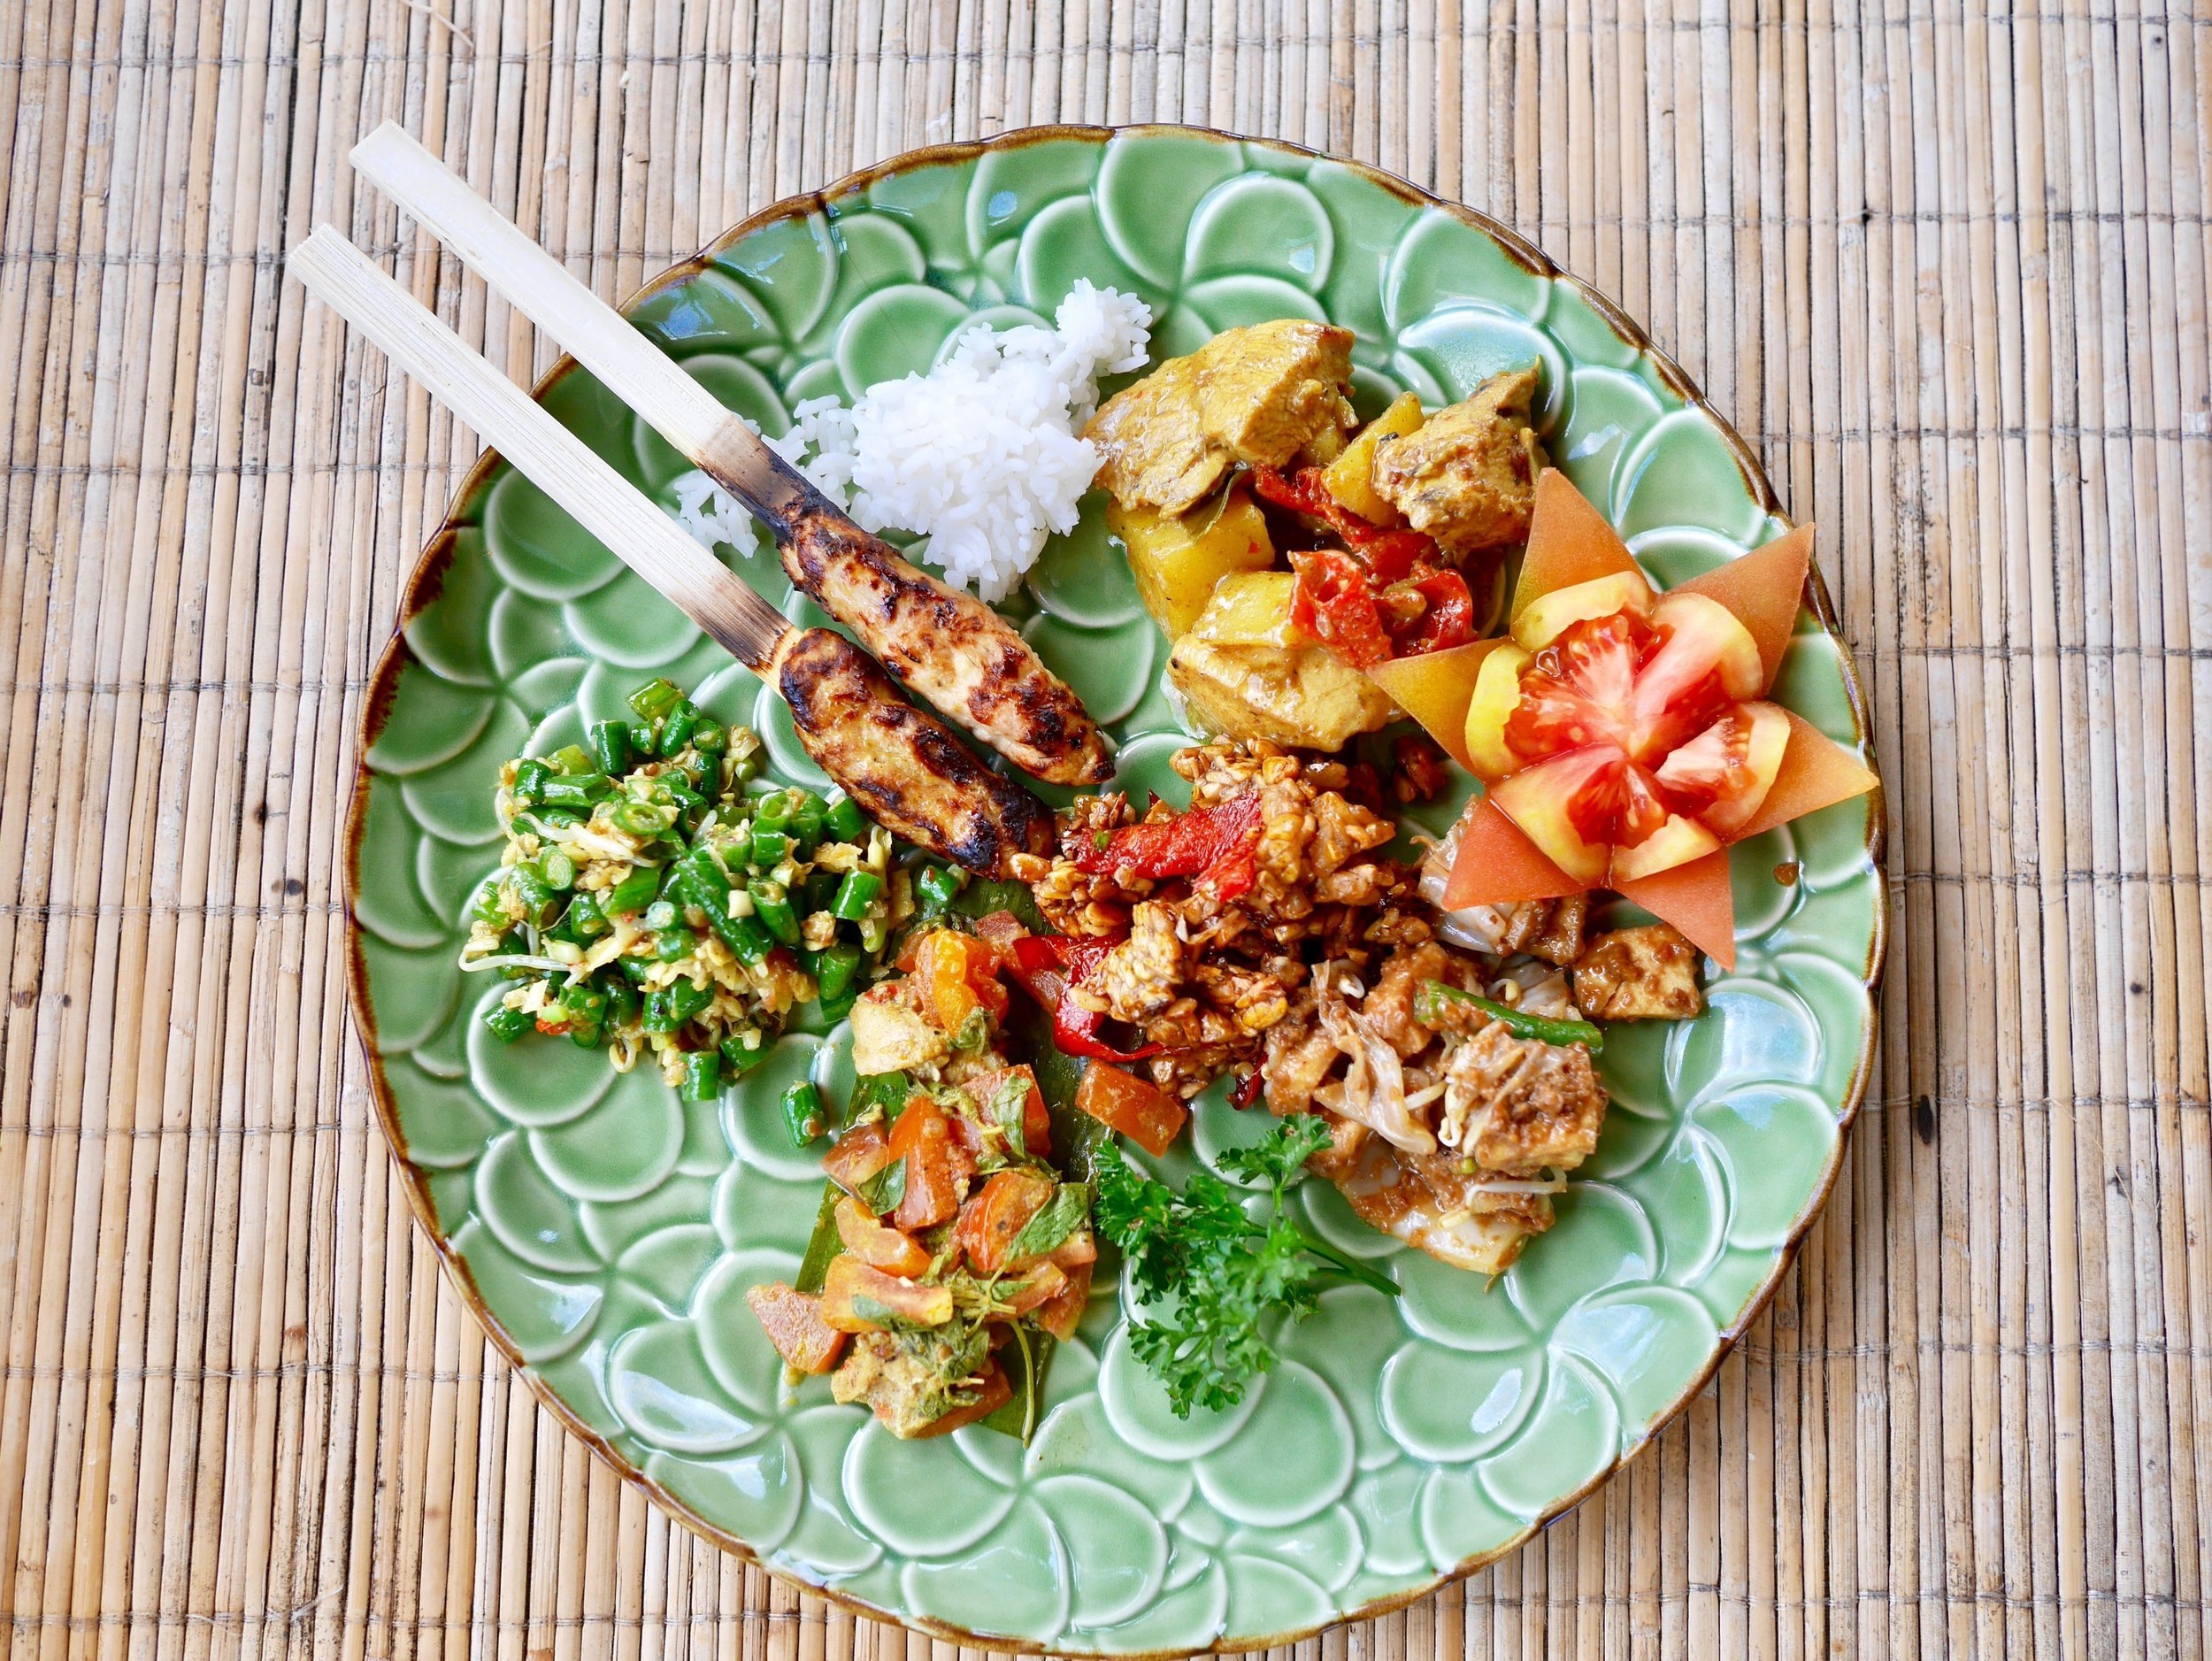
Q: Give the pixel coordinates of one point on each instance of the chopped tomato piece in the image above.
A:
(1446, 618)
(955, 974)
(1140, 1111)
(993, 1394)
(1078, 1251)
(878, 1247)
(923, 1140)
(983, 1089)
(1037, 1286)
(999, 1211)
(793, 1321)
(1064, 1312)
(1388, 554)
(1334, 603)
(857, 1156)
(859, 1299)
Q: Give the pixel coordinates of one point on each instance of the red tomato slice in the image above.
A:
(1493, 862)
(1765, 589)
(1576, 806)
(1569, 541)
(1815, 772)
(1496, 694)
(1580, 690)
(1722, 776)
(1139, 1109)
(1700, 626)
(1697, 899)
(1549, 616)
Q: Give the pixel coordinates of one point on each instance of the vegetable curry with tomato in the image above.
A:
(1285, 549)
(951, 1250)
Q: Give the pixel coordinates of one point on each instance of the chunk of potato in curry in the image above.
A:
(1241, 674)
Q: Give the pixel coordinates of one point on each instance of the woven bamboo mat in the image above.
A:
(1945, 265)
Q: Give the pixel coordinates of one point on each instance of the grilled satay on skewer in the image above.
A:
(946, 646)
(904, 767)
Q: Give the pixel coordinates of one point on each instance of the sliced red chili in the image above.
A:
(1247, 1089)
(1190, 844)
(1388, 555)
(1335, 602)
(1447, 617)
(1046, 967)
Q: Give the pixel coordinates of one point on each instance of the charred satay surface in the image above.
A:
(907, 771)
(947, 646)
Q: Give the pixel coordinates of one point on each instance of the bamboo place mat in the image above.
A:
(1945, 266)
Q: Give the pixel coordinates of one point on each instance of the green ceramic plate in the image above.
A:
(606, 1232)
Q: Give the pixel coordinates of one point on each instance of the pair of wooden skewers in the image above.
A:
(902, 765)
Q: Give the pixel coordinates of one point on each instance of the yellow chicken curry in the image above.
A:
(1286, 550)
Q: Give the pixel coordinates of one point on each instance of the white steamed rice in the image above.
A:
(981, 455)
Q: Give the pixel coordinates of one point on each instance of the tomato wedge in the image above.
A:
(923, 1139)
(1764, 590)
(1724, 774)
(1817, 772)
(1493, 862)
(878, 1247)
(1148, 1115)
(1625, 737)
(1062, 1313)
(1569, 541)
(1435, 688)
(1697, 899)
(1000, 1211)
(793, 1321)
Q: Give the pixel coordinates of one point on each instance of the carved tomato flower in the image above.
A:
(1625, 737)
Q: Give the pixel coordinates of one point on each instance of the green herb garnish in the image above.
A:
(822, 1244)
(883, 1192)
(1220, 1273)
(1061, 1216)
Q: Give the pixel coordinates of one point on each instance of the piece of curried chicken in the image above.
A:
(1648, 974)
(1261, 395)
(1467, 475)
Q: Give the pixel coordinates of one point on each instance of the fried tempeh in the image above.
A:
(906, 769)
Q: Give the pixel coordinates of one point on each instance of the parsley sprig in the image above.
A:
(1224, 1273)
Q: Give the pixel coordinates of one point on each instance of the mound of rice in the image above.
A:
(981, 455)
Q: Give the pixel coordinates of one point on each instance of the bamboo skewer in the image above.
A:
(902, 766)
(949, 647)
(548, 453)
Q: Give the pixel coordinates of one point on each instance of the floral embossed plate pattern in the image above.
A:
(606, 1231)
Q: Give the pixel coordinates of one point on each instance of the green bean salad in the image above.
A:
(658, 894)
